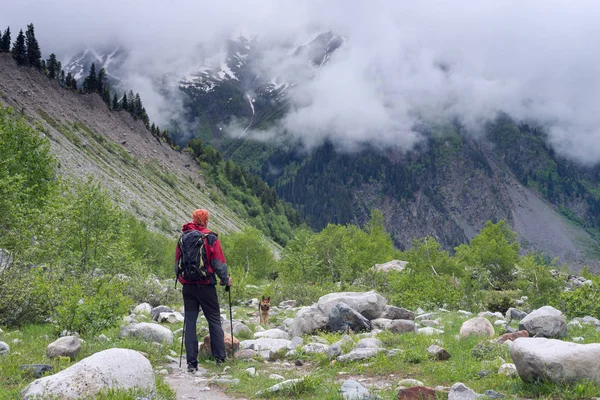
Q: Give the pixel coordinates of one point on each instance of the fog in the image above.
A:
(402, 63)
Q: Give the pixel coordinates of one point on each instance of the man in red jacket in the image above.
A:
(203, 294)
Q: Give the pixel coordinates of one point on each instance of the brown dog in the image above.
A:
(263, 310)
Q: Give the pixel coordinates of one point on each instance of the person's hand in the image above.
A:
(230, 282)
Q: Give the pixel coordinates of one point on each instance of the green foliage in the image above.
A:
(536, 282)
(91, 308)
(579, 302)
(492, 254)
(249, 253)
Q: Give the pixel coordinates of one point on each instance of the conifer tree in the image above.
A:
(106, 96)
(58, 69)
(101, 81)
(90, 83)
(115, 102)
(73, 84)
(137, 105)
(34, 54)
(68, 79)
(5, 41)
(61, 80)
(124, 104)
(19, 52)
(131, 104)
(52, 67)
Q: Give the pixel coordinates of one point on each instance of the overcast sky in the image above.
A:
(535, 59)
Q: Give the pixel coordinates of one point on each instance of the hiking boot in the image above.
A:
(220, 361)
(192, 367)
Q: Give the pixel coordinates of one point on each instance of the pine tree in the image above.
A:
(34, 54)
(52, 66)
(62, 77)
(131, 104)
(19, 52)
(101, 81)
(137, 105)
(68, 79)
(106, 96)
(90, 83)
(5, 41)
(58, 69)
(124, 104)
(115, 102)
(73, 84)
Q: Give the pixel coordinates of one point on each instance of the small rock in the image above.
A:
(438, 353)
(507, 369)
(143, 308)
(514, 314)
(163, 372)
(227, 381)
(410, 383)
(103, 338)
(37, 370)
(578, 339)
(245, 354)
(393, 312)
(68, 346)
(429, 331)
(16, 341)
(251, 371)
(465, 313)
(288, 304)
(492, 394)
(417, 393)
(298, 363)
(272, 334)
(352, 390)
(484, 372)
(282, 385)
(459, 391)
(315, 348)
(512, 336)
(477, 326)
(545, 322)
(155, 312)
(276, 377)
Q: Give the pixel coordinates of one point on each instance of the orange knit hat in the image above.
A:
(200, 217)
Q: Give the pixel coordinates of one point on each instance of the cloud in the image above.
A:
(402, 62)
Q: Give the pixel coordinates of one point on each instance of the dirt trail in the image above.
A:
(194, 386)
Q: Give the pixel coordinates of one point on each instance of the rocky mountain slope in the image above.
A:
(146, 175)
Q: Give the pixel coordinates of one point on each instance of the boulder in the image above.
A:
(369, 304)
(149, 332)
(238, 328)
(170, 317)
(315, 348)
(206, 349)
(143, 308)
(359, 354)
(308, 320)
(508, 369)
(288, 304)
(545, 322)
(477, 326)
(410, 383)
(155, 312)
(336, 348)
(342, 318)
(555, 360)
(272, 334)
(428, 331)
(67, 346)
(245, 354)
(514, 314)
(4, 348)
(402, 326)
(417, 393)
(438, 353)
(393, 312)
(459, 391)
(108, 369)
(394, 265)
(262, 344)
(369, 343)
(352, 390)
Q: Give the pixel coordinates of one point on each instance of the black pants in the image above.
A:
(205, 296)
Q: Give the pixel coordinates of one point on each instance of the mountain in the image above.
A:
(144, 174)
(111, 58)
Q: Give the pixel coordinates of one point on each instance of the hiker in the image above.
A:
(201, 292)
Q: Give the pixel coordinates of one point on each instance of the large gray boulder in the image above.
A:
(262, 344)
(369, 304)
(308, 320)
(342, 318)
(478, 326)
(402, 326)
(545, 322)
(272, 334)
(67, 346)
(108, 369)
(4, 348)
(352, 390)
(143, 308)
(555, 360)
(148, 331)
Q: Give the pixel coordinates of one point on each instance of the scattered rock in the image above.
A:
(402, 326)
(36, 370)
(315, 348)
(4, 348)
(318, 339)
(430, 331)
(574, 324)
(459, 391)
(507, 369)
(288, 304)
(465, 313)
(342, 318)
(266, 344)
(479, 326)
(129, 319)
(578, 339)
(489, 314)
(238, 328)
(381, 323)
(555, 360)
(272, 334)
(394, 265)
(276, 388)
(68, 346)
(148, 331)
(103, 338)
(492, 394)
(410, 383)
(170, 317)
(155, 312)
(143, 308)
(226, 381)
(359, 354)
(245, 354)
(438, 353)
(545, 322)
(108, 369)
(369, 304)
(417, 393)
(512, 336)
(276, 377)
(369, 343)
(251, 371)
(352, 390)
(514, 314)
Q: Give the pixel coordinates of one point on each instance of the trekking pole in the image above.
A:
(182, 336)
(228, 289)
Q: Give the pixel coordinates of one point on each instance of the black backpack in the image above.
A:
(192, 257)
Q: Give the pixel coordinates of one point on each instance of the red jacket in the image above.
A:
(215, 259)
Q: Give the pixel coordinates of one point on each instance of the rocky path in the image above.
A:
(193, 386)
